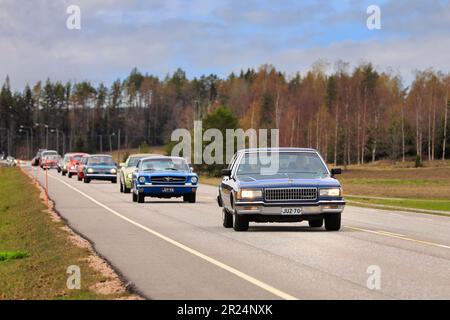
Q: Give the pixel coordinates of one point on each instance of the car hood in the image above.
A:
(101, 167)
(167, 173)
(129, 170)
(284, 180)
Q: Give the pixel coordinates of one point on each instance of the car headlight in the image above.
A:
(249, 194)
(90, 170)
(130, 176)
(330, 192)
(194, 179)
(113, 171)
(141, 179)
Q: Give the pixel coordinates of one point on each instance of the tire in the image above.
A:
(114, 180)
(126, 190)
(140, 198)
(121, 187)
(86, 180)
(240, 223)
(134, 197)
(63, 173)
(333, 221)
(69, 175)
(316, 223)
(227, 219)
(191, 198)
(79, 178)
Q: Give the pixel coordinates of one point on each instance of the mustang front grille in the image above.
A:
(288, 194)
(168, 180)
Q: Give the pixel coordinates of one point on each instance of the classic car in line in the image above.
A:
(164, 177)
(280, 185)
(97, 167)
(37, 158)
(127, 168)
(50, 161)
(70, 163)
(45, 153)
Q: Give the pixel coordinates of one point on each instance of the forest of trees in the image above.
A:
(351, 116)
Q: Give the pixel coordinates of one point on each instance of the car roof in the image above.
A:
(98, 155)
(140, 155)
(281, 149)
(162, 157)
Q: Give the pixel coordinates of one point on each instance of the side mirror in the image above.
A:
(335, 171)
(122, 164)
(191, 168)
(226, 172)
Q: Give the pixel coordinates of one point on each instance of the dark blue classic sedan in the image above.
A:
(164, 177)
(280, 185)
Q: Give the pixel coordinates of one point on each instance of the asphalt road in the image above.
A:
(174, 250)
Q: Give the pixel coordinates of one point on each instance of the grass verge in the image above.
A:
(28, 232)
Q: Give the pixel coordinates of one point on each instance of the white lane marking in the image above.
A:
(213, 261)
(398, 236)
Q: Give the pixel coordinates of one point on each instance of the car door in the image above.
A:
(226, 186)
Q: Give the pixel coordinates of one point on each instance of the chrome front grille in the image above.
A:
(168, 180)
(290, 194)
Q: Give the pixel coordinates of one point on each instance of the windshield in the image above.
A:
(169, 164)
(77, 157)
(133, 161)
(48, 153)
(52, 157)
(299, 164)
(100, 161)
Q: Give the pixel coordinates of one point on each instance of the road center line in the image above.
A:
(213, 261)
(394, 235)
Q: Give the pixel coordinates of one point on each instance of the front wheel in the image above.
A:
(189, 198)
(316, 223)
(114, 180)
(227, 218)
(121, 187)
(134, 197)
(86, 180)
(140, 198)
(333, 221)
(240, 223)
(79, 178)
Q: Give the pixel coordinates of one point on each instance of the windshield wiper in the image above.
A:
(148, 170)
(171, 169)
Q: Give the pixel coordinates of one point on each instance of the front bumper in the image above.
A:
(262, 208)
(161, 190)
(101, 176)
(128, 183)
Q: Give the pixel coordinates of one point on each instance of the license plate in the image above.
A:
(291, 211)
(168, 190)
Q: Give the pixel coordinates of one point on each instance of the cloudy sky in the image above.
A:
(212, 36)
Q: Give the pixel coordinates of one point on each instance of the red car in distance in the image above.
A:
(80, 167)
(74, 161)
(50, 161)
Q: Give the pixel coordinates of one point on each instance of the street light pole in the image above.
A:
(28, 141)
(46, 136)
